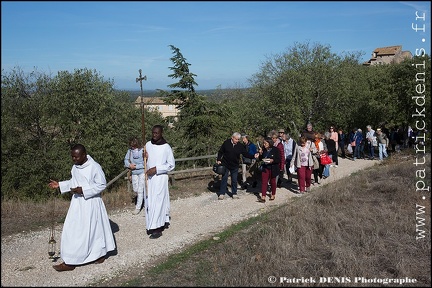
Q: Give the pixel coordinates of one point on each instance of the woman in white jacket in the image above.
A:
(302, 159)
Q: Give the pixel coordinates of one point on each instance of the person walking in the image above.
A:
(302, 159)
(309, 133)
(383, 142)
(251, 148)
(229, 156)
(277, 142)
(371, 141)
(341, 143)
(87, 236)
(358, 139)
(270, 156)
(331, 150)
(289, 146)
(134, 160)
(318, 167)
(335, 136)
(160, 159)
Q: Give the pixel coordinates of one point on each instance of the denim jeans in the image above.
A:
(371, 150)
(382, 151)
(224, 182)
(326, 172)
(357, 149)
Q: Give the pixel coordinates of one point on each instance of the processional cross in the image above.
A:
(140, 79)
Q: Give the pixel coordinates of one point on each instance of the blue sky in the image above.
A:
(225, 42)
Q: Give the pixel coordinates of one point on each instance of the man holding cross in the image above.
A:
(160, 159)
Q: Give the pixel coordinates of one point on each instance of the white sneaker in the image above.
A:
(221, 197)
(235, 196)
(136, 212)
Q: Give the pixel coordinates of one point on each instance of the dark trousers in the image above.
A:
(224, 182)
(371, 150)
(342, 148)
(334, 157)
(287, 166)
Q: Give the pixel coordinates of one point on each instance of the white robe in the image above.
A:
(87, 233)
(157, 206)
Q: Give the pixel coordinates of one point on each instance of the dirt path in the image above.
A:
(24, 259)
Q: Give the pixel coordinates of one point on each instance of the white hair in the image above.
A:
(237, 135)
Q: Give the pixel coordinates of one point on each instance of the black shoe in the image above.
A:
(155, 235)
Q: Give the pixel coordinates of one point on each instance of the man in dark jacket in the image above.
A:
(309, 133)
(229, 155)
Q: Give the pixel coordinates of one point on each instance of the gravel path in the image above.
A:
(24, 257)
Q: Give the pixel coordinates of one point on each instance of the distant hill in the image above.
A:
(152, 93)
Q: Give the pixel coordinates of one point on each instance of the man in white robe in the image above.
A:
(160, 159)
(87, 235)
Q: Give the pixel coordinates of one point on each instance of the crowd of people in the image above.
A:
(276, 158)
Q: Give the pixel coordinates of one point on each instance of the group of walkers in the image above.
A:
(278, 154)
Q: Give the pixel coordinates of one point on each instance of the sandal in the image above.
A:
(261, 200)
(272, 197)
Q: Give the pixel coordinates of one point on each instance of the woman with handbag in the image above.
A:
(331, 150)
(302, 159)
(318, 167)
(269, 168)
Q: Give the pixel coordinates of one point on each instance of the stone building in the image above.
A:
(388, 55)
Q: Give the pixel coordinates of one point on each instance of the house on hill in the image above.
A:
(388, 55)
(157, 104)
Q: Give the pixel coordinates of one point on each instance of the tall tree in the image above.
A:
(198, 118)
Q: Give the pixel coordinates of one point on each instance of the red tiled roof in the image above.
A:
(390, 50)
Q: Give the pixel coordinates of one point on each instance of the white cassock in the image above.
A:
(157, 206)
(87, 233)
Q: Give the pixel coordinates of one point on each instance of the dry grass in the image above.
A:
(363, 226)
(20, 216)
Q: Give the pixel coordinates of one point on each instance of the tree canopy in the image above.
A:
(43, 115)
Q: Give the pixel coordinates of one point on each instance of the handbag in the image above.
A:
(219, 169)
(292, 169)
(246, 160)
(315, 161)
(349, 148)
(325, 159)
